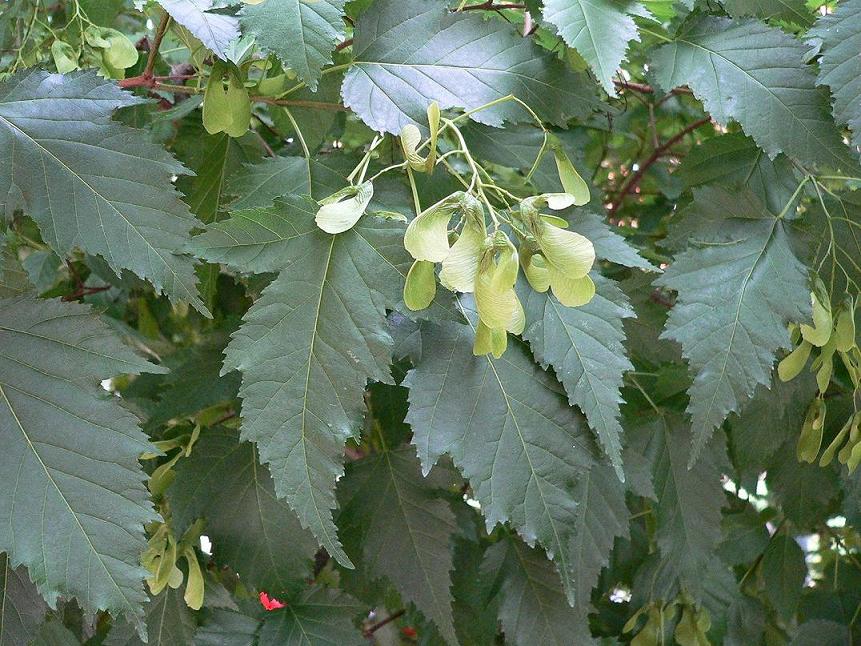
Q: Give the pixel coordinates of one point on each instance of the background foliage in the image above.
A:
(236, 408)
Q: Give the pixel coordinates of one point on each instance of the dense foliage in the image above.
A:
(429, 321)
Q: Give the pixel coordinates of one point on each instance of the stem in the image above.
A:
(370, 630)
(298, 134)
(414, 190)
(299, 103)
(153, 51)
(634, 180)
(490, 6)
(794, 195)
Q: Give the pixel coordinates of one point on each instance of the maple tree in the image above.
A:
(440, 322)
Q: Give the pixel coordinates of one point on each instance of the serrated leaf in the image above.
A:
(402, 531)
(602, 516)
(739, 287)
(21, 607)
(839, 67)
(320, 617)
(773, 417)
(259, 185)
(507, 429)
(794, 11)
(301, 33)
(584, 346)
(307, 348)
(408, 54)
(169, 622)
(689, 500)
(533, 607)
(251, 530)
(734, 160)
(73, 450)
(91, 182)
(783, 573)
(214, 30)
(228, 628)
(755, 74)
(600, 31)
(13, 278)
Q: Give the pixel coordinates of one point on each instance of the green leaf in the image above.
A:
(773, 417)
(54, 633)
(533, 608)
(602, 516)
(400, 529)
(839, 67)
(805, 492)
(302, 34)
(739, 286)
(509, 431)
(76, 452)
(306, 349)
(259, 185)
(584, 346)
(254, 533)
(783, 573)
(819, 632)
(794, 11)
(600, 31)
(733, 160)
(408, 54)
(227, 628)
(13, 278)
(608, 244)
(689, 499)
(21, 607)
(70, 159)
(319, 617)
(169, 622)
(755, 74)
(214, 30)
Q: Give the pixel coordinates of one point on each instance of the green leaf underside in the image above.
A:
(307, 348)
(227, 628)
(320, 617)
(21, 607)
(169, 622)
(739, 285)
(259, 185)
(302, 34)
(508, 430)
(93, 183)
(74, 503)
(754, 74)
(252, 531)
(214, 30)
(533, 608)
(689, 500)
(600, 31)
(408, 54)
(584, 346)
(840, 67)
(733, 160)
(402, 530)
(793, 11)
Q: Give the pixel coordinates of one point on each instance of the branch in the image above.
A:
(642, 88)
(343, 45)
(370, 630)
(634, 180)
(299, 103)
(147, 79)
(490, 6)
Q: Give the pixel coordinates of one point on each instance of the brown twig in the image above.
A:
(85, 291)
(634, 180)
(490, 6)
(298, 103)
(146, 79)
(642, 88)
(343, 45)
(370, 630)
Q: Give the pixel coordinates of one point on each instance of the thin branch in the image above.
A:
(370, 630)
(147, 79)
(634, 180)
(343, 45)
(490, 6)
(642, 88)
(298, 103)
